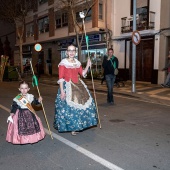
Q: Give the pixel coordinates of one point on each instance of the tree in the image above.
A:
(15, 12)
(73, 7)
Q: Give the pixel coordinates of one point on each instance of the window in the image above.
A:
(61, 19)
(43, 25)
(64, 19)
(29, 30)
(143, 13)
(100, 11)
(89, 15)
(58, 21)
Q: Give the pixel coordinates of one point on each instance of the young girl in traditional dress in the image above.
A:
(75, 109)
(24, 125)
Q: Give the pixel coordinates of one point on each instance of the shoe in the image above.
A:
(74, 133)
(162, 85)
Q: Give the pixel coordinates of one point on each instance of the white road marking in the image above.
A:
(89, 154)
(80, 149)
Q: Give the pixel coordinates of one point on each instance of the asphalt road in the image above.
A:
(135, 135)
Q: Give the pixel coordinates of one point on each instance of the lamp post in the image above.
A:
(134, 51)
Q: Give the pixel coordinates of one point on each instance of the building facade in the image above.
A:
(153, 24)
(108, 24)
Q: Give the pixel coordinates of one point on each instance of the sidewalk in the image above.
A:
(144, 90)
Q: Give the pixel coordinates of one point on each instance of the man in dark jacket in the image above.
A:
(110, 64)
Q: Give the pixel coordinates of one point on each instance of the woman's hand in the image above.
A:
(63, 95)
(40, 99)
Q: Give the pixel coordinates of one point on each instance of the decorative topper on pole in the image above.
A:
(34, 81)
(82, 15)
(86, 36)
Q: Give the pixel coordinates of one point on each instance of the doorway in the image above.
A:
(144, 60)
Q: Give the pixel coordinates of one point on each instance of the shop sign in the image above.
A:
(66, 42)
(93, 38)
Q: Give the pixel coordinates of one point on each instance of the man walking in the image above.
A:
(110, 64)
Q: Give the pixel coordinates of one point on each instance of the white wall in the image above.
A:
(119, 52)
(155, 6)
(121, 9)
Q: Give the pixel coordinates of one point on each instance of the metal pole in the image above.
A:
(134, 51)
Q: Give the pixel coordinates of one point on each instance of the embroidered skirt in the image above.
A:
(77, 111)
(26, 128)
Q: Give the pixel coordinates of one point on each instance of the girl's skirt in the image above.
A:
(26, 128)
(77, 111)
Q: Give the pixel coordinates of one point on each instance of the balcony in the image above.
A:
(143, 22)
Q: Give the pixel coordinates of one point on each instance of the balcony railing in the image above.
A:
(143, 22)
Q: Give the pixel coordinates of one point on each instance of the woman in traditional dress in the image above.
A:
(24, 125)
(75, 109)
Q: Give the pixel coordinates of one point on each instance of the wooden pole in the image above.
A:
(42, 105)
(92, 76)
